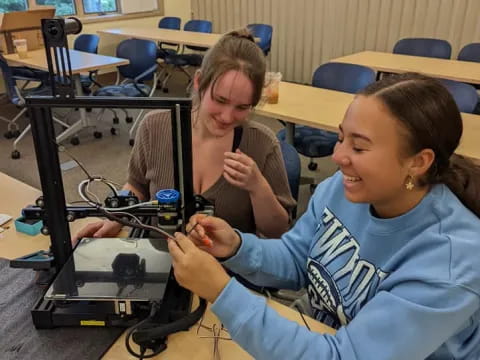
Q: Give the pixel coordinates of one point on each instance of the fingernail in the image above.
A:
(207, 241)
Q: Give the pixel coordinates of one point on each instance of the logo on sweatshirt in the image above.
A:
(339, 281)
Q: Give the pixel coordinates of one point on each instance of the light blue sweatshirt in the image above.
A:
(400, 288)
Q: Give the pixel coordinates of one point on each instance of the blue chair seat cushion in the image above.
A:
(184, 59)
(312, 142)
(128, 90)
(41, 90)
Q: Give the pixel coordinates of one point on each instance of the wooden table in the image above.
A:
(180, 37)
(15, 196)
(184, 345)
(465, 71)
(325, 109)
(81, 62)
(188, 345)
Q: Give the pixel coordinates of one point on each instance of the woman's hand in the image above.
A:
(242, 171)
(195, 269)
(104, 228)
(213, 235)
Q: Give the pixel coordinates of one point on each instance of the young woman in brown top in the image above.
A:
(245, 179)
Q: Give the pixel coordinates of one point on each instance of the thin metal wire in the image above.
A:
(303, 317)
(217, 336)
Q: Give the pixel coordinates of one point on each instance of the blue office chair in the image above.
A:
(16, 97)
(348, 78)
(87, 43)
(293, 167)
(264, 33)
(465, 95)
(203, 26)
(172, 23)
(142, 55)
(470, 52)
(425, 47)
(183, 61)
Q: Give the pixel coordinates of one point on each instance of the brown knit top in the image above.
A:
(151, 168)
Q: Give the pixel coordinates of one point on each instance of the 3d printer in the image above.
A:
(109, 282)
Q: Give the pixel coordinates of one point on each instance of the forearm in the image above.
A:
(271, 218)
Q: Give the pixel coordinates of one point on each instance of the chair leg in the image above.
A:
(58, 121)
(12, 122)
(5, 119)
(131, 133)
(165, 82)
(20, 137)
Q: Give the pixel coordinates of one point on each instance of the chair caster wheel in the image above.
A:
(97, 134)
(16, 133)
(131, 142)
(165, 90)
(15, 154)
(129, 119)
(312, 188)
(9, 135)
(88, 110)
(113, 131)
(116, 120)
(312, 166)
(75, 140)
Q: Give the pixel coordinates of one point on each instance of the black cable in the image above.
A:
(154, 334)
(122, 221)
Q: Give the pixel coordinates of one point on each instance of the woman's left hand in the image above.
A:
(195, 269)
(242, 171)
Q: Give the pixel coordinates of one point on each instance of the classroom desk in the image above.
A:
(81, 62)
(184, 345)
(180, 37)
(325, 109)
(465, 71)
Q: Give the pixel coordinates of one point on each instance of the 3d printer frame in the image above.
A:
(54, 212)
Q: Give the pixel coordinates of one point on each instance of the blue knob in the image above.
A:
(167, 196)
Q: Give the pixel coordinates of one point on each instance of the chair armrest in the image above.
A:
(147, 72)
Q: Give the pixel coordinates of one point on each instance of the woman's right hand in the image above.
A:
(104, 228)
(213, 235)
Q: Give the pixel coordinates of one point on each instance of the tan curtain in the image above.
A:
(307, 33)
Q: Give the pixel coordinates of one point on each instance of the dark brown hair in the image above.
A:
(428, 112)
(235, 50)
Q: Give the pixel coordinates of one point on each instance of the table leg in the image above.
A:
(290, 132)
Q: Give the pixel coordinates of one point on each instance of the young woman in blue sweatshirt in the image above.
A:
(388, 249)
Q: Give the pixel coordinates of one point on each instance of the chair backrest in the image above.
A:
(204, 26)
(142, 55)
(264, 33)
(470, 52)
(169, 22)
(425, 47)
(349, 78)
(465, 95)
(293, 167)
(87, 43)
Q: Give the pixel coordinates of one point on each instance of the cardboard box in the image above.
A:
(23, 25)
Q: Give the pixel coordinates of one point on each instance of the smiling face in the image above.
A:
(227, 104)
(369, 154)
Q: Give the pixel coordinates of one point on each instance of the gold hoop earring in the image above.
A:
(409, 185)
